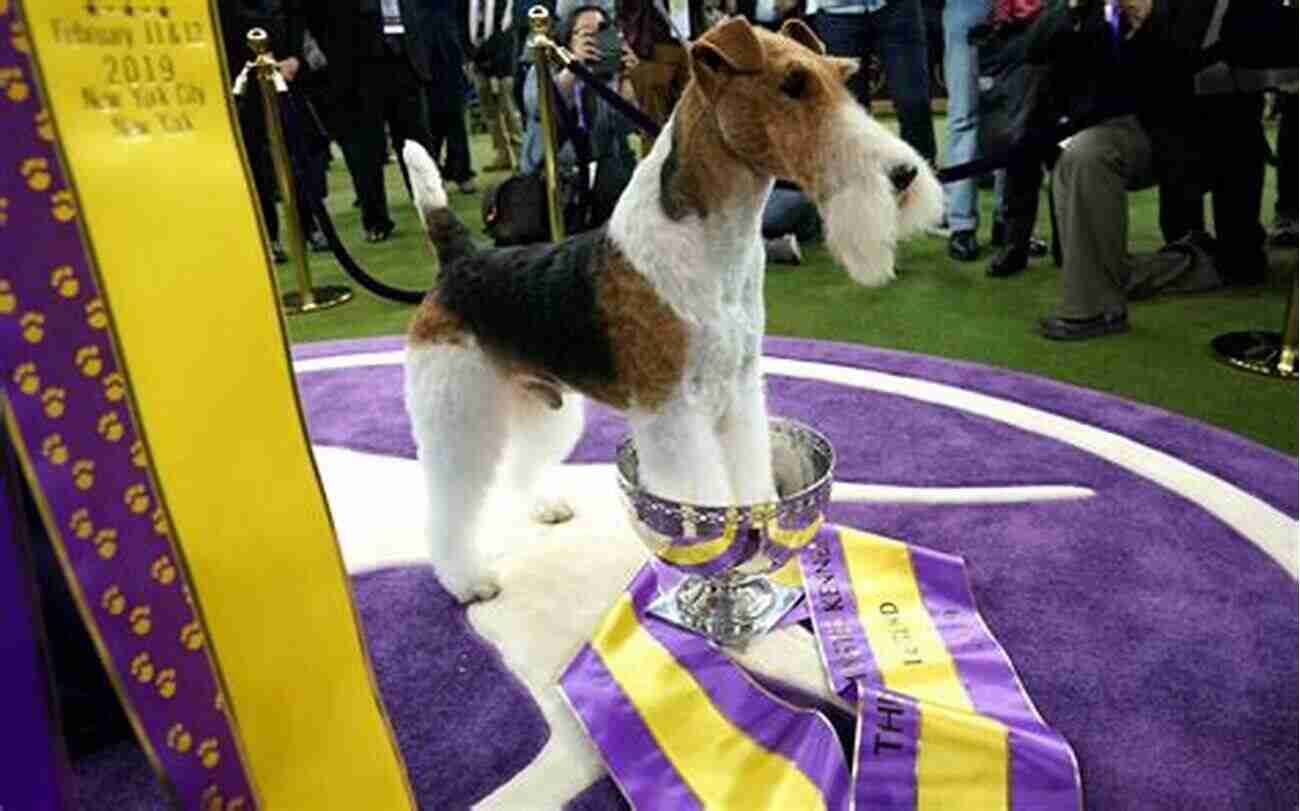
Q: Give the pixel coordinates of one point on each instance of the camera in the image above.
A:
(609, 47)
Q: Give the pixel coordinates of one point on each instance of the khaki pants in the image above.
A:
(495, 99)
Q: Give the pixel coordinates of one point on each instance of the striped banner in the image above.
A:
(943, 720)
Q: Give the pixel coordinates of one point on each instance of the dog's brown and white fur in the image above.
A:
(670, 294)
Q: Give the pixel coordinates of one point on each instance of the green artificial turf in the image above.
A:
(937, 307)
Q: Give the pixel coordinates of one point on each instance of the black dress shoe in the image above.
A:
(1057, 328)
(1011, 260)
(1038, 247)
(963, 247)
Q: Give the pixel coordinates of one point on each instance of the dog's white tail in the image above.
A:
(451, 239)
(426, 180)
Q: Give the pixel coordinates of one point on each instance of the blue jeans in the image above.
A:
(791, 212)
(961, 70)
(897, 33)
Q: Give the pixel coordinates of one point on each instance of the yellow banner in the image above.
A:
(140, 102)
(963, 761)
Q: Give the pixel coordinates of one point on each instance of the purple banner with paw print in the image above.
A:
(69, 413)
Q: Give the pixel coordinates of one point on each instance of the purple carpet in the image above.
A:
(1160, 642)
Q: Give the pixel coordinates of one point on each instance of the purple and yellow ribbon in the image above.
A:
(943, 720)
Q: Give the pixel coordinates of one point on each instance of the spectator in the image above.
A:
(961, 70)
(789, 219)
(894, 29)
(445, 96)
(381, 54)
(1283, 232)
(662, 69)
(237, 18)
(1174, 134)
(489, 41)
(603, 131)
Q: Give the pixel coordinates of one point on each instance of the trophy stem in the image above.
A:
(730, 609)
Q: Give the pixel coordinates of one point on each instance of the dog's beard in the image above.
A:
(863, 216)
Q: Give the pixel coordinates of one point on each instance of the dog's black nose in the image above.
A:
(902, 176)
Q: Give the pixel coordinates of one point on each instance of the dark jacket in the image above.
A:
(350, 35)
(495, 55)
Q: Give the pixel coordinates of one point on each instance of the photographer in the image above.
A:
(1131, 66)
(590, 128)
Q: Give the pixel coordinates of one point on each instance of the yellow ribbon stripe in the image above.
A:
(724, 767)
(963, 761)
(699, 553)
(143, 112)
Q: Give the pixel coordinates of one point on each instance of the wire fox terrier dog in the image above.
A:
(659, 313)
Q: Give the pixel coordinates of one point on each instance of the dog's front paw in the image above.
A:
(471, 589)
(551, 510)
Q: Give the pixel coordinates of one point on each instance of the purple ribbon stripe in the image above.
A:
(70, 400)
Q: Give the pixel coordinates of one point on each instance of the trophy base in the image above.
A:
(322, 298)
(1257, 351)
(730, 611)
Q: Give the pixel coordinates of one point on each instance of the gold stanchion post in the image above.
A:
(539, 21)
(1271, 354)
(272, 84)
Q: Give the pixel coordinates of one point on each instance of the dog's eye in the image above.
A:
(795, 84)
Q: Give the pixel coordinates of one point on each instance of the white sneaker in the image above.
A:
(784, 250)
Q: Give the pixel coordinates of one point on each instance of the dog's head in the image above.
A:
(782, 107)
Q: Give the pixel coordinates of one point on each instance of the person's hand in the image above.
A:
(1136, 12)
(583, 46)
(289, 68)
(630, 59)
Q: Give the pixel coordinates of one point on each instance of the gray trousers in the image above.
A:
(1090, 186)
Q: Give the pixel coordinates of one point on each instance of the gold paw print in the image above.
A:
(8, 301)
(62, 206)
(160, 522)
(138, 457)
(106, 543)
(4, 210)
(27, 379)
(33, 325)
(209, 753)
(83, 474)
(192, 636)
(142, 668)
(80, 524)
(96, 315)
(164, 571)
(64, 281)
(179, 738)
(166, 682)
(219, 702)
(37, 172)
(54, 401)
(141, 620)
(44, 127)
(136, 498)
(88, 361)
(110, 426)
(114, 386)
(53, 449)
(113, 601)
(15, 87)
(19, 39)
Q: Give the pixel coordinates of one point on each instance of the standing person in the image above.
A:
(490, 46)
(662, 68)
(380, 58)
(961, 70)
(237, 18)
(895, 29)
(445, 95)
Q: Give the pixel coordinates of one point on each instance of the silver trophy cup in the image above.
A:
(721, 555)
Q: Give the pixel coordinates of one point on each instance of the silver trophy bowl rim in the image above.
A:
(625, 462)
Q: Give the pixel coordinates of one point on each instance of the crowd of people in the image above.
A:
(1101, 97)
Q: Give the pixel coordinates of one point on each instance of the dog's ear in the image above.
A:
(728, 48)
(799, 31)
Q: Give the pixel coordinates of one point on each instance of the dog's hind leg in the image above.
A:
(545, 425)
(459, 404)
